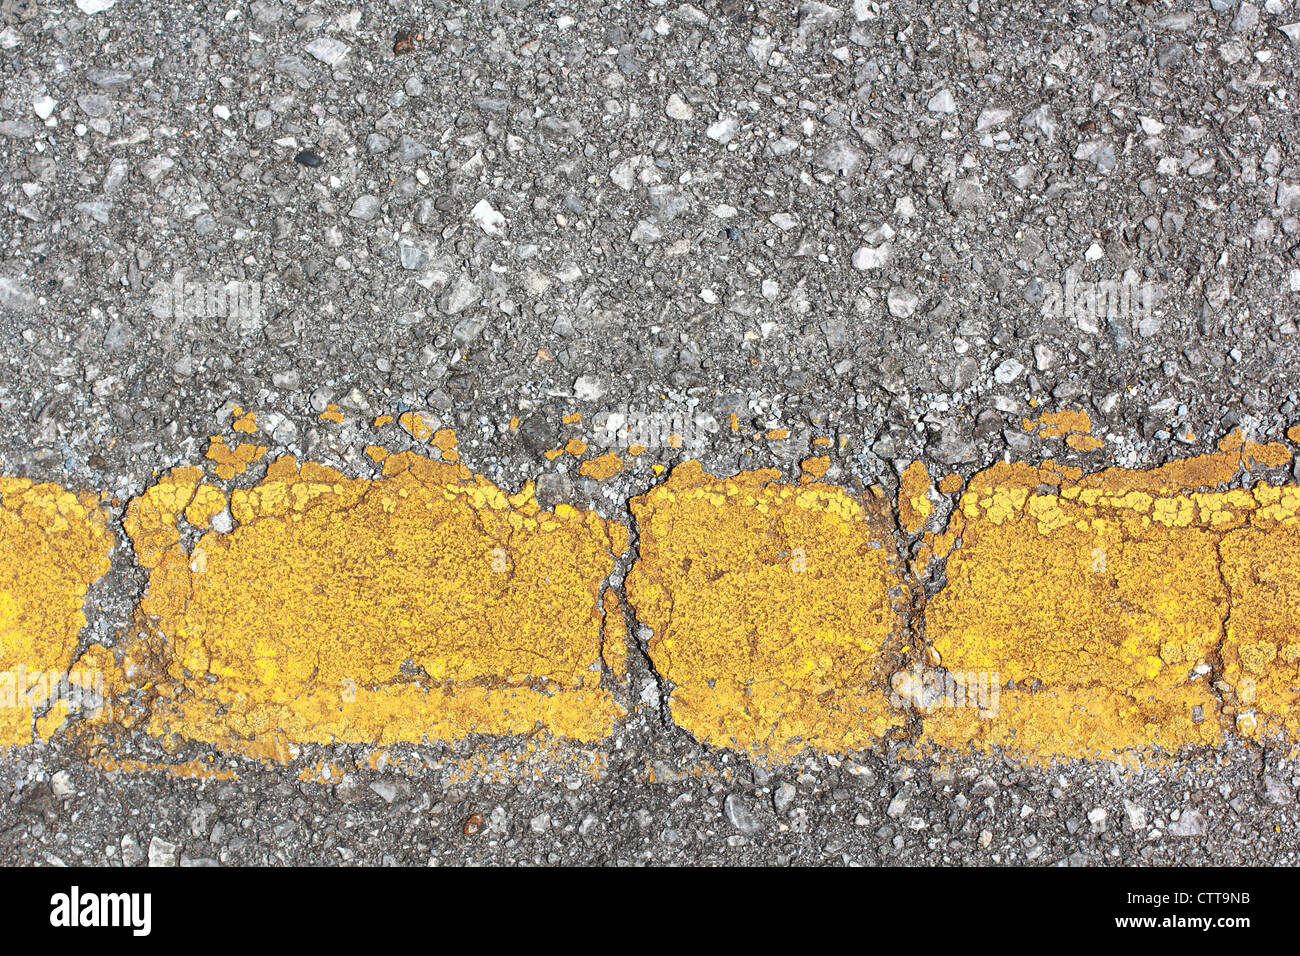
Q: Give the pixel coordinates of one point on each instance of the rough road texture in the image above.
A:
(718, 232)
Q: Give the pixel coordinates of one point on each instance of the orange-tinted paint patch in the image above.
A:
(415, 426)
(816, 467)
(605, 466)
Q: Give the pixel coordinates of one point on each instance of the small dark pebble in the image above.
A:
(406, 40)
(308, 158)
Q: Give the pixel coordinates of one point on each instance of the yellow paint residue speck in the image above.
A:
(603, 467)
(331, 414)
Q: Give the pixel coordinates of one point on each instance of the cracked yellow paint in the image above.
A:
(772, 607)
(426, 604)
(53, 545)
(229, 461)
(1099, 605)
(444, 439)
(415, 426)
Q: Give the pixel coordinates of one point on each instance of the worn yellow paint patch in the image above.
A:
(1084, 442)
(382, 420)
(53, 545)
(229, 461)
(773, 610)
(575, 447)
(415, 426)
(151, 519)
(951, 483)
(914, 505)
(815, 468)
(425, 604)
(444, 439)
(1099, 603)
(207, 502)
(778, 434)
(614, 638)
(635, 449)
(331, 414)
(606, 466)
(1056, 424)
(1293, 433)
(1261, 652)
(572, 418)
(245, 423)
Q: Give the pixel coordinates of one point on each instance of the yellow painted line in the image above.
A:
(424, 604)
(1107, 604)
(774, 609)
(53, 545)
(1081, 615)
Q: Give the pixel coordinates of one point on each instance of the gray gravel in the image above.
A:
(840, 218)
